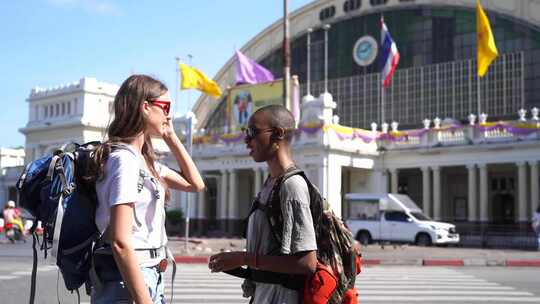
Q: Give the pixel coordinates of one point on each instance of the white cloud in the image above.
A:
(96, 6)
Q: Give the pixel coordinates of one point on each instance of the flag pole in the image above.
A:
(382, 101)
(381, 81)
(286, 57)
(478, 96)
(189, 143)
(308, 76)
(176, 86)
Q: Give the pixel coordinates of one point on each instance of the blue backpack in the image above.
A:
(56, 190)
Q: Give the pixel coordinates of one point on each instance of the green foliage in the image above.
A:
(175, 216)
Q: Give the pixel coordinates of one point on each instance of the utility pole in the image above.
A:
(286, 57)
(189, 145)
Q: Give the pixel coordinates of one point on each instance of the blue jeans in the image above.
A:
(118, 293)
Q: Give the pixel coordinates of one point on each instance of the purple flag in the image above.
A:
(249, 71)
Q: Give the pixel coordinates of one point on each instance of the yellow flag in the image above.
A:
(192, 78)
(487, 50)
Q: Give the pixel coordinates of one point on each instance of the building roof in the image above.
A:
(307, 16)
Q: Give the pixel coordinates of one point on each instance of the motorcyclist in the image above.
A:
(12, 215)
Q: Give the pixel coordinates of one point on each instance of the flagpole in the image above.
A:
(381, 81)
(286, 56)
(176, 86)
(190, 57)
(189, 143)
(326, 28)
(308, 89)
(382, 101)
(478, 96)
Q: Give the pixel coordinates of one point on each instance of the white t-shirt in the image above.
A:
(119, 186)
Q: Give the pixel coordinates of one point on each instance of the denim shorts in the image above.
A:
(118, 293)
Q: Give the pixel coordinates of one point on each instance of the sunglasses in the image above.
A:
(252, 132)
(165, 105)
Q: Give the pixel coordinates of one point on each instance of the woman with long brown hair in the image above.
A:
(132, 187)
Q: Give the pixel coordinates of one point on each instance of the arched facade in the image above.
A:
(436, 74)
(471, 171)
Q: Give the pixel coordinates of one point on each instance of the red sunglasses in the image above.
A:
(165, 105)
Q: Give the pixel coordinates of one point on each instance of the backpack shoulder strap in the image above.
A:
(274, 213)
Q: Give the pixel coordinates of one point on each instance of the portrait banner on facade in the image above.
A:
(245, 99)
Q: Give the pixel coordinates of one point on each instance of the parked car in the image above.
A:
(394, 218)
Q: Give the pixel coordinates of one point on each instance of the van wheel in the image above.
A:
(363, 237)
(423, 239)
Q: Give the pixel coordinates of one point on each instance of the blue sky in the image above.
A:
(52, 42)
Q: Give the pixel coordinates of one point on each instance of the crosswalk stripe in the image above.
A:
(7, 277)
(376, 285)
(18, 273)
(454, 299)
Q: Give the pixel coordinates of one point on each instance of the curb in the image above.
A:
(523, 263)
(410, 262)
(449, 262)
(191, 259)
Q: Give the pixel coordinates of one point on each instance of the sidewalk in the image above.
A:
(199, 249)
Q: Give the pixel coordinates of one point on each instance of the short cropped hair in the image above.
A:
(279, 117)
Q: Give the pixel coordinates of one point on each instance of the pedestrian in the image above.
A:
(268, 137)
(12, 215)
(132, 188)
(536, 225)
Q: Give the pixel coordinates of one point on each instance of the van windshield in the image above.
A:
(420, 216)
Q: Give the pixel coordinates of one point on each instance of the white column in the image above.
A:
(194, 207)
(322, 176)
(233, 198)
(223, 196)
(426, 191)
(334, 186)
(394, 180)
(522, 192)
(256, 181)
(380, 180)
(471, 201)
(436, 193)
(534, 186)
(201, 205)
(483, 192)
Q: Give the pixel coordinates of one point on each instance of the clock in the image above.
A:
(365, 50)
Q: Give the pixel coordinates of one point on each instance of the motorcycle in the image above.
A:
(14, 233)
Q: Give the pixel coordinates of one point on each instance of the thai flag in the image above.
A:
(389, 55)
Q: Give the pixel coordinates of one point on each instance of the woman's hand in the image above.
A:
(227, 261)
(167, 130)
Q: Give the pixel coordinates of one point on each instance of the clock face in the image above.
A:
(365, 50)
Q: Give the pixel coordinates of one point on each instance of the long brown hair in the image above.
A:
(128, 121)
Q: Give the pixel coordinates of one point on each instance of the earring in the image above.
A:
(275, 146)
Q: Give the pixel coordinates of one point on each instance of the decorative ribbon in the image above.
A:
(515, 128)
(348, 133)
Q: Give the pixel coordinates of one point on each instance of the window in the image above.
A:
(69, 108)
(377, 2)
(326, 13)
(396, 216)
(57, 110)
(45, 111)
(351, 5)
(367, 209)
(63, 108)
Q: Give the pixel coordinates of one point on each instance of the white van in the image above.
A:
(394, 218)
